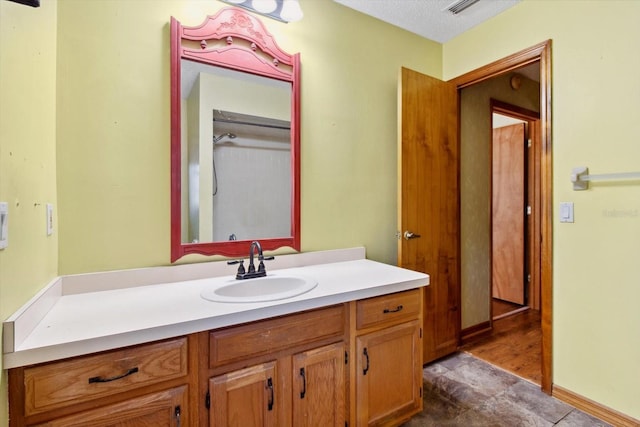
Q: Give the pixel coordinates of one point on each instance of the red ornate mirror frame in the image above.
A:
(248, 47)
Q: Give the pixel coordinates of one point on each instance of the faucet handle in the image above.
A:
(261, 267)
(241, 270)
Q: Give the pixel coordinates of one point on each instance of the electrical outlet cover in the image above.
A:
(49, 219)
(4, 225)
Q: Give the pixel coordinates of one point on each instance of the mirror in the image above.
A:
(235, 142)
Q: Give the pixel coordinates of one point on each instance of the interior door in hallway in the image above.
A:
(508, 213)
(428, 192)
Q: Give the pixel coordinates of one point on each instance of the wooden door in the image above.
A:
(508, 213)
(388, 374)
(163, 408)
(244, 398)
(319, 387)
(428, 164)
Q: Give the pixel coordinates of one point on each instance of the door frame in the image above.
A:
(542, 53)
(532, 183)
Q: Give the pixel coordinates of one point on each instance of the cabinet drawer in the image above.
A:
(269, 336)
(73, 381)
(388, 309)
(164, 408)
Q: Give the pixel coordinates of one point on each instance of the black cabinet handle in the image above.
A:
(106, 380)
(304, 383)
(270, 387)
(366, 368)
(176, 412)
(395, 310)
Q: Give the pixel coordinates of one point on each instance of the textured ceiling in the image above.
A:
(430, 18)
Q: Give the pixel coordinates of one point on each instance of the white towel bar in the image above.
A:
(580, 177)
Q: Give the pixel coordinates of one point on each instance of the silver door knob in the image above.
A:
(409, 235)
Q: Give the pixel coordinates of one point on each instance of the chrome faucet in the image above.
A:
(251, 271)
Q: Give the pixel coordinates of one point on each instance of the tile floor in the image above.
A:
(462, 390)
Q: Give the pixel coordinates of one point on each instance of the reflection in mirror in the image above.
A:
(235, 138)
(239, 164)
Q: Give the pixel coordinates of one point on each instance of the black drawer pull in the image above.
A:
(176, 413)
(395, 310)
(304, 383)
(106, 380)
(270, 388)
(366, 368)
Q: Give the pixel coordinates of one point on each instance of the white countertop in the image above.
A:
(82, 323)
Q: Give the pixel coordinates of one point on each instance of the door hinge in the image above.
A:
(528, 278)
(346, 358)
(528, 210)
(529, 143)
(207, 401)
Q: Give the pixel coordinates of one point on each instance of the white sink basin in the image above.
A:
(270, 288)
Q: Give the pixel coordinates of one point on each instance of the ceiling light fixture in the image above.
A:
(458, 6)
(264, 6)
(280, 10)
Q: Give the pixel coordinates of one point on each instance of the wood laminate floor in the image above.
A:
(504, 308)
(514, 345)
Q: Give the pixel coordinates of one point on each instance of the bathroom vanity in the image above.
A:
(126, 347)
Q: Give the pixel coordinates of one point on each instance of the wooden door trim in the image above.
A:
(504, 65)
(511, 110)
(540, 52)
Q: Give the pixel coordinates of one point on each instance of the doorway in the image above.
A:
(514, 341)
(541, 54)
(515, 209)
(499, 178)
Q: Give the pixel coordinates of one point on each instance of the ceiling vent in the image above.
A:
(458, 6)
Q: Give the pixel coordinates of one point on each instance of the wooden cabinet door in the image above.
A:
(389, 374)
(319, 387)
(166, 408)
(428, 151)
(244, 398)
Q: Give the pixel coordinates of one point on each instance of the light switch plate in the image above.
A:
(566, 211)
(4, 225)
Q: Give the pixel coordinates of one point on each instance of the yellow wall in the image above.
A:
(113, 127)
(27, 155)
(596, 99)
